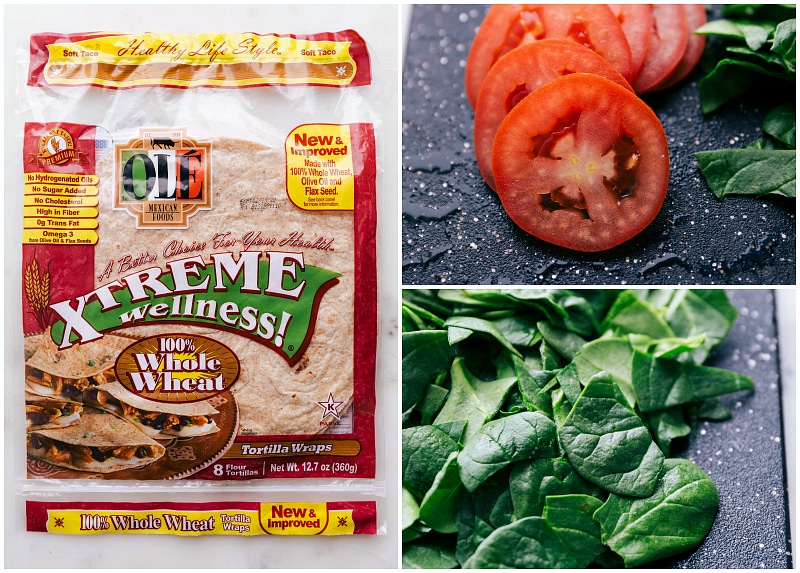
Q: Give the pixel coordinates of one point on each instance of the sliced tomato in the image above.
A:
(695, 17)
(581, 163)
(508, 26)
(668, 41)
(518, 73)
(637, 24)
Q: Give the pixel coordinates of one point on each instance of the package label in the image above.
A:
(199, 60)
(191, 307)
(213, 518)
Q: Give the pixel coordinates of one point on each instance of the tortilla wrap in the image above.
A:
(43, 413)
(66, 373)
(83, 446)
(249, 194)
(173, 419)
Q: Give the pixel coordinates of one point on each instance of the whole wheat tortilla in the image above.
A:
(79, 360)
(249, 194)
(101, 430)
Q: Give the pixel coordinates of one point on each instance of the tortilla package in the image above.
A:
(199, 266)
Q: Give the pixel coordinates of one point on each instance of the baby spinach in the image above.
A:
(500, 442)
(676, 517)
(528, 543)
(759, 44)
(539, 423)
(608, 444)
(571, 519)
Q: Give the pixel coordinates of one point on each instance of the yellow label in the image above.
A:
(60, 224)
(221, 522)
(340, 522)
(58, 237)
(60, 212)
(270, 518)
(319, 167)
(282, 60)
(58, 179)
(305, 519)
(61, 202)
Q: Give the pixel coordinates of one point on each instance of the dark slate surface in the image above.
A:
(455, 230)
(744, 455)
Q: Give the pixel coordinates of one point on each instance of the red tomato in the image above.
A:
(667, 45)
(637, 23)
(508, 26)
(521, 71)
(695, 17)
(581, 163)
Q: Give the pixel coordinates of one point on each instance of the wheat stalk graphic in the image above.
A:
(37, 291)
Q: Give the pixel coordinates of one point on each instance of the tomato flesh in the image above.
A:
(695, 17)
(637, 24)
(581, 163)
(668, 42)
(520, 72)
(508, 26)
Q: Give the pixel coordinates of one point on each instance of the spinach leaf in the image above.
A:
(469, 324)
(749, 171)
(472, 400)
(785, 42)
(630, 314)
(666, 426)
(676, 517)
(701, 312)
(781, 123)
(570, 518)
(432, 401)
(661, 382)
(608, 444)
(500, 442)
(440, 506)
(410, 509)
(427, 556)
(531, 386)
(525, 544)
(425, 450)
(415, 531)
(754, 34)
(532, 481)
(426, 353)
(611, 355)
(565, 342)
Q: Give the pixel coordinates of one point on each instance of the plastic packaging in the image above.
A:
(199, 269)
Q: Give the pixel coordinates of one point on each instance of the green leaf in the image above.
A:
(500, 442)
(532, 481)
(630, 314)
(611, 355)
(471, 399)
(432, 403)
(410, 511)
(781, 123)
(525, 544)
(570, 518)
(660, 383)
(675, 518)
(470, 324)
(753, 172)
(785, 42)
(425, 354)
(608, 444)
(667, 425)
(754, 34)
(565, 342)
(440, 506)
(531, 386)
(425, 450)
(427, 556)
(701, 312)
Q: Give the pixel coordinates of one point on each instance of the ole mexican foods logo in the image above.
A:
(162, 178)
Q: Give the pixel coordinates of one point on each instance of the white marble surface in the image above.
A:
(379, 26)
